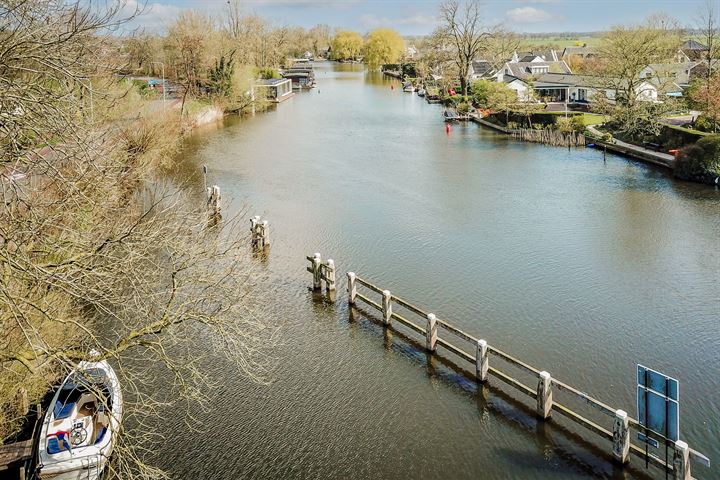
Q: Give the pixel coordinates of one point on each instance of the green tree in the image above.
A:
(346, 45)
(384, 45)
(624, 54)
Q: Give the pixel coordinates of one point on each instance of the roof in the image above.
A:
(271, 82)
(555, 80)
(693, 45)
(481, 67)
(296, 74)
(523, 70)
(582, 51)
(547, 55)
(680, 72)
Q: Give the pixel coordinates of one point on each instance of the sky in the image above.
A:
(419, 17)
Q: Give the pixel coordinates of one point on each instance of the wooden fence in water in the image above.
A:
(622, 424)
(550, 137)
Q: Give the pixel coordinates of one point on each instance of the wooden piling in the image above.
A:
(265, 241)
(621, 437)
(481, 361)
(431, 334)
(317, 274)
(330, 275)
(544, 395)
(213, 201)
(352, 288)
(387, 306)
(681, 461)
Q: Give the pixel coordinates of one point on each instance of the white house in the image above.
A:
(568, 88)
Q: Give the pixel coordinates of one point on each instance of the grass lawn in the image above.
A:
(593, 119)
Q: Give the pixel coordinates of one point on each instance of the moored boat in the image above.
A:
(421, 92)
(408, 87)
(81, 425)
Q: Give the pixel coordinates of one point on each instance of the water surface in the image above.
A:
(579, 266)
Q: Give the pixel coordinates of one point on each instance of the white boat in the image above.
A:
(421, 92)
(408, 87)
(81, 425)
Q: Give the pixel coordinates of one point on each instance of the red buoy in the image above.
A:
(392, 87)
(448, 128)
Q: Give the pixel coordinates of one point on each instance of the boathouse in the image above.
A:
(280, 89)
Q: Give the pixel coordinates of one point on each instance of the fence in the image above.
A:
(622, 424)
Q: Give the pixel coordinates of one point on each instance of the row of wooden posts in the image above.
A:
(259, 229)
(679, 465)
(550, 137)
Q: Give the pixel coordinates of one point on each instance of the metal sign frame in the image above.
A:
(658, 407)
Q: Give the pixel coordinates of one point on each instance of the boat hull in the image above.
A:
(80, 427)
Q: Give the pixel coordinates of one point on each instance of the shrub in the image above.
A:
(703, 123)
(463, 108)
(700, 162)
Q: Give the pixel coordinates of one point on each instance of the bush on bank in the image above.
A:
(700, 162)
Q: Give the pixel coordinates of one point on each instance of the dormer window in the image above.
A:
(543, 69)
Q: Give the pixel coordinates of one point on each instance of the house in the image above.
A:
(692, 50)
(279, 89)
(568, 88)
(480, 69)
(671, 77)
(582, 52)
(411, 52)
(534, 67)
(538, 55)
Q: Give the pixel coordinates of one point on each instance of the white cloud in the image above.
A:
(151, 17)
(373, 21)
(528, 15)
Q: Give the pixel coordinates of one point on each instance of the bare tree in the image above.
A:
(710, 33)
(462, 24)
(95, 252)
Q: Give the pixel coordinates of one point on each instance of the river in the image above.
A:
(578, 266)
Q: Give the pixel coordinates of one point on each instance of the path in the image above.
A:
(658, 158)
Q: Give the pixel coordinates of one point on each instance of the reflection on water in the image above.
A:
(578, 266)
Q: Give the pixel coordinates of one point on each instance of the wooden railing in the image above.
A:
(622, 424)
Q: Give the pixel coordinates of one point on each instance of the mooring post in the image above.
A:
(544, 395)
(352, 288)
(681, 461)
(330, 282)
(254, 230)
(317, 274)
(214, 200)
(621, 437)
(481, 361)
(265, 233)
(431, 334)
(387, 307)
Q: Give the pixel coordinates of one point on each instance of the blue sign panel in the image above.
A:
(657, 403)
(650, 441)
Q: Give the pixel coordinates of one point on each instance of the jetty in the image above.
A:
(442, 337)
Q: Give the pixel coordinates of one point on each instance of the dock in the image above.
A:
(13, 457)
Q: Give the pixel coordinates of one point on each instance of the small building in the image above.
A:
(301, 74)
(280, 89)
